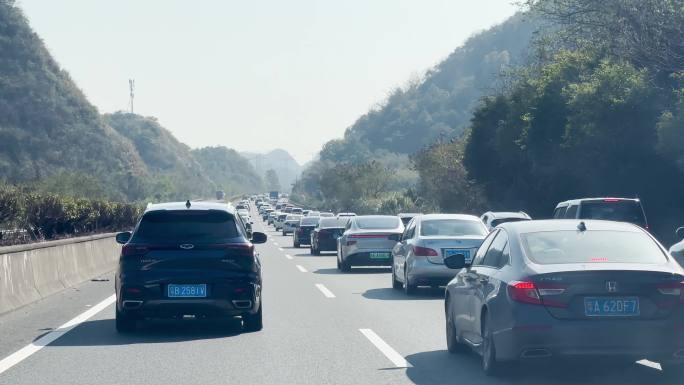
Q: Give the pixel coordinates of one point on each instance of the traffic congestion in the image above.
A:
(590, 283)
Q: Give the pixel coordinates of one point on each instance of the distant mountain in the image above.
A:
(281, 161)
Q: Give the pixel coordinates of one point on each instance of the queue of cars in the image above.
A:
(592, 282)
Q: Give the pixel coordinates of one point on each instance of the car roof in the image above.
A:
(578, 200)
(404, 215)
(507, 214)
(535, 226)
(465, 217)
(181, 206)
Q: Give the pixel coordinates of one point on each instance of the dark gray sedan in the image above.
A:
(567, 288)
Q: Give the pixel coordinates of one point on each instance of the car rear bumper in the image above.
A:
(327, 245)
(225, 297)
(627, 339)
(363, 258)
(424, 273)
(303, 239)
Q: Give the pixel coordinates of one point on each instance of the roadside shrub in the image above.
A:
(39, 216)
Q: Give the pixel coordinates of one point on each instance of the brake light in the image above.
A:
(611, 200)
(424, 251)
(369, 235)
(528, 292)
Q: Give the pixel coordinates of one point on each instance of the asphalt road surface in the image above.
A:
(320, 327)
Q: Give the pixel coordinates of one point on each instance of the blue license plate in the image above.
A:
(187, 291)
(465, 252)
(611, 306)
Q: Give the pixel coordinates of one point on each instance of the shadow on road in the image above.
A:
(389, 294)
(102, 332)
(440, 367)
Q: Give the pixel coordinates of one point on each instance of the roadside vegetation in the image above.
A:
(596, 108)
(29, 216)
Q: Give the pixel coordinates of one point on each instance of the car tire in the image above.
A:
(253, 322)
(284, 233)
(489, 364)
(343, 266)
(395, 283)
(296, 244)
(454, 346)
(125, 323)
(408, 288)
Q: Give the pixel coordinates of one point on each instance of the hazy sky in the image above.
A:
(254, 75)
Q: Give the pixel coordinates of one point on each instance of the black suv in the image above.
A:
(189, 259)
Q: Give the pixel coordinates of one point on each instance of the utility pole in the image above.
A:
(131, 85)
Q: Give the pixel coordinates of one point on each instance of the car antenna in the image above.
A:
(188, 204)
(582, 226)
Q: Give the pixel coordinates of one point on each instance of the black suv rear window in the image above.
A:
(191, 226)
(614, 210)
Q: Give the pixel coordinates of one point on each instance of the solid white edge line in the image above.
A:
(288, 256)
(28, 350)
(391, 354)
(327, 293)
(301, 268)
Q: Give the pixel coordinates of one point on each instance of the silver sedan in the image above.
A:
(368, 241)
(418, 259)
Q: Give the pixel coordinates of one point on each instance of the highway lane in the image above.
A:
(309, 337)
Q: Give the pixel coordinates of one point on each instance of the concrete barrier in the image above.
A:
(34, 271)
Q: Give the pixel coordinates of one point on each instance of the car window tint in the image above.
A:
(598, 246)
(494, 254)
(452, 227)
(622, 211)
(410, 231)
(479, 256)
(499, 221)
(571, 212)
(190, 226)
(379, 223)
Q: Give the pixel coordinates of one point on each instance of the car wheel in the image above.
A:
(253, 322)
(284, 233)
(408, 288)
(125, 323)
(296, 244)
(343, 265)
(395, 283)
(453, 345)
(489, 364)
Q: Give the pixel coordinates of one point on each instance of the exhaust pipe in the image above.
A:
(536, 353)
(242, 304)
(130, 305)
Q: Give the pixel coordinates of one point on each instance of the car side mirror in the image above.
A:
(123, 237)
(680, 233)
(455, 261)
(258, 237)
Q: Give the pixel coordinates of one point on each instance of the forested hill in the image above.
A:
(53, 139)
(47, 126)
(441, 104)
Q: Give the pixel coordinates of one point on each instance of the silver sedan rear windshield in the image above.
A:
(554, 247)
(451, 228)
(379, 223)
